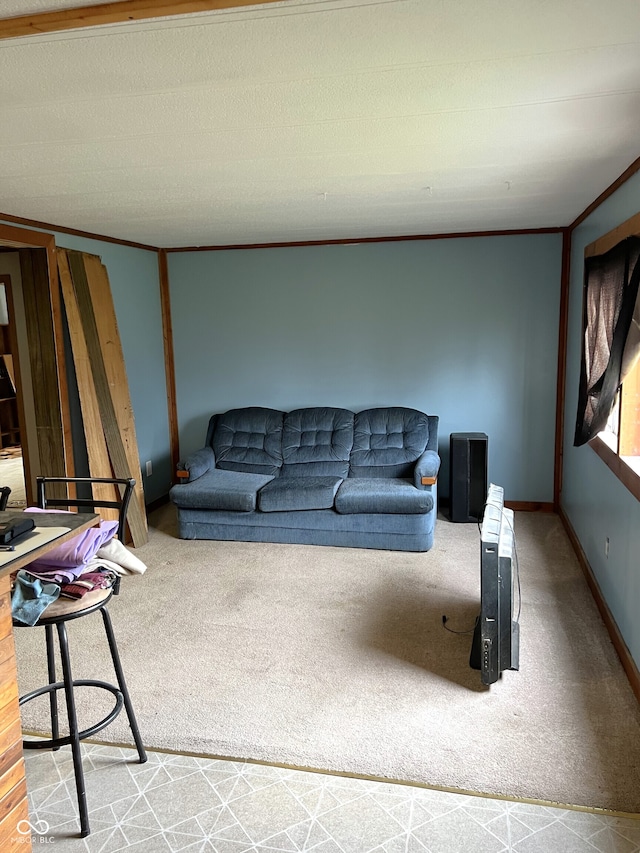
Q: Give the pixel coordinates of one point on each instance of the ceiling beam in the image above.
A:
(112, 13)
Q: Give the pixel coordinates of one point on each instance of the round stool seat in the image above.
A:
(70, 608)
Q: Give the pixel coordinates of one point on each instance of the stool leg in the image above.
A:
(51, 669)
(73, 730)
(115, 657)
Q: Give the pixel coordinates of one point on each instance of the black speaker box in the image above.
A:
(468, 462)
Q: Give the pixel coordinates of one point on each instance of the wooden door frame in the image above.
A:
(24, 239)
(6, 281)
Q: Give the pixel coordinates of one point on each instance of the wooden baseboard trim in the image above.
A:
(628, 663)
(161, 501)
(516, 506)
(530, 506)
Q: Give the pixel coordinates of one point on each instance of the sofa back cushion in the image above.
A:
(317, 442)
(249, 439)
(387, 442)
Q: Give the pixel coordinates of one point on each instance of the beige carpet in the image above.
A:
(12, 475)
(337, 659)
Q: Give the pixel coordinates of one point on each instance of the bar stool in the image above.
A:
(64, 610)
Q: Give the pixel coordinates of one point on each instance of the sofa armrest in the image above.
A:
(196, 465)
(425, 473)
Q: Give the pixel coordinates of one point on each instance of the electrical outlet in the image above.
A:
(606, 547)
(150, 472)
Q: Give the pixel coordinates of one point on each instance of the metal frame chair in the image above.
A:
(67, 610)
(5, 491)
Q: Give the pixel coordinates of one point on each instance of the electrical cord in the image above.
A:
(445, 619)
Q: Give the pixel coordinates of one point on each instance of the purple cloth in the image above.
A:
(59, 576)
(68, 559)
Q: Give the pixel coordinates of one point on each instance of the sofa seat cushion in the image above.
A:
(217, 489)
(381, 495)
(293, 493)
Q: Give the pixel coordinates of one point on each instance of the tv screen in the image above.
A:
(496, 637)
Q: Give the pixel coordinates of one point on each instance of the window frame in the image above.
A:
(610, 456)
(615, 463)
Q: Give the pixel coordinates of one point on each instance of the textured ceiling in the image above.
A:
(324, 119)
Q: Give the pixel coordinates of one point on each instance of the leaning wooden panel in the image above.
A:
(97, 452)
(136, 517)
(43, 362)
(109, 337)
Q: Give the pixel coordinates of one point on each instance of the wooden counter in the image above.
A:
(13, 786)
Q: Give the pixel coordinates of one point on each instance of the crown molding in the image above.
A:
(103, 14)
(48, 226)
(350, 241)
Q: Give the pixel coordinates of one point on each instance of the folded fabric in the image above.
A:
(101, 579)
(59, 576)
(30, 597)
(76, 551)
(114, 556)
(120, 557)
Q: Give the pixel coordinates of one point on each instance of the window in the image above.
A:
(622, 431)
(609, 399)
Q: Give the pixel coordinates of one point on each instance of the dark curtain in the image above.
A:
(610, 297)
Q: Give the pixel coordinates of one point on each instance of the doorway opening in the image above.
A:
(32, 396)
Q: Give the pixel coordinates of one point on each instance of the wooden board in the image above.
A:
(113, 402)
(44, 363)
(97, 452)
(110, 344)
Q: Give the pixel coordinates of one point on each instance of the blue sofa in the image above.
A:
(315, 476)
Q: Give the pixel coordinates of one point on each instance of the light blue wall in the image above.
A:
(463, 328)
(133, 275)
(595, 501)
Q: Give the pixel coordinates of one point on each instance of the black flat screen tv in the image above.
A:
(496, 637)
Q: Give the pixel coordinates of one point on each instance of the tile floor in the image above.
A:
(181, 803)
